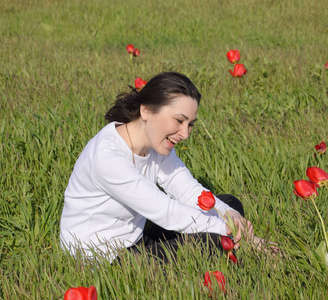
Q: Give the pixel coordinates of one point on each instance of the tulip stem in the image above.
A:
(229, 220)
(322, 223)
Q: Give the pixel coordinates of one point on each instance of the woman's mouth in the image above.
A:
(172, 141)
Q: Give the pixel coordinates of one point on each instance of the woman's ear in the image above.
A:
(144, 112)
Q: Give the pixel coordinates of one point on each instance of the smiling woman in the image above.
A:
(162, 130)
(113, 188)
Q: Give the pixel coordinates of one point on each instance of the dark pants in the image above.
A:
(156, 239)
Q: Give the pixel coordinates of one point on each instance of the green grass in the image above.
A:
(62, 64)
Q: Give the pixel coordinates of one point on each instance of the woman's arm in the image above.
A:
(175, 178)
(117, 176)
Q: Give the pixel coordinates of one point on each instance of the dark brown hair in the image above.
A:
(158, 92)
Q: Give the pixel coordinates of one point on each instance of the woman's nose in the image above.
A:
(185, 131)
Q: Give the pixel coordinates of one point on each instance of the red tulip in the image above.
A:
(206, 200)
(130, 48)
(233, 257)
(326, 65)
(139, 83)
(233, 56)
(305, 189)
(81, 293)
(136, 52)
(219, 278)
(227, 243)
(318, 176)
(321, 148)
(238, 71)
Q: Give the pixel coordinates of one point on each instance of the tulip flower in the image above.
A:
(318, 176)
(81, 293)
(227, 243)
(136, 52)
(321, 148)
(206, 200)
(238, 71)
(305, 189)
(308, 191)
(233, 56)
(326, 65)
(139, 83)
(130, 48)
(219, 279)
(233, 257)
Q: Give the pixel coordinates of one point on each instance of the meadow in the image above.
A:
(62, 63)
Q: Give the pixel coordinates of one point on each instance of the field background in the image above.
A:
(61, 65)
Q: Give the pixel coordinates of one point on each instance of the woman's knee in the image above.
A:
(233, 202)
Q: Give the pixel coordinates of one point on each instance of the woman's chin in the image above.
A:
(164, 152)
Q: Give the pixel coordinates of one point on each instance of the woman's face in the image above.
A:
(170, 125)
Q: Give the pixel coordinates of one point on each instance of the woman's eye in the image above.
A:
(180, 121)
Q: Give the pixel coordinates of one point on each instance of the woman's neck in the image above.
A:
(133, 135)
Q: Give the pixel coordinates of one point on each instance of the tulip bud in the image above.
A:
(305, 189)
(130, 48)
(318, 176)
(227, 243)
(81, 293)
(233, 56)
(206, 200)
(321, 148)
(136, 52)
(233, 257)
(219, 279)
(239, 70)
(139, 83)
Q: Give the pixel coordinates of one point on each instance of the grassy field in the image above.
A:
(61, 65)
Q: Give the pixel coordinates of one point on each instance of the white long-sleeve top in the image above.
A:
(108, 198)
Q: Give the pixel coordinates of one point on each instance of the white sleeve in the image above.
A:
(118, 177)
(175, 178)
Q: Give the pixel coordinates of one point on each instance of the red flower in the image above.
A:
(321, 148)
(139, 83)
(305, 189)
(227, 243)
(326, 65)
(233, 56)
(130, 48)
(219, 278)
(206, 200)
(81, 293)
(238, 71)
(318, 176)
(233, 257)
(136, 52)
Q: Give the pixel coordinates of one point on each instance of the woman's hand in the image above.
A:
(263, 245)
(244, 227)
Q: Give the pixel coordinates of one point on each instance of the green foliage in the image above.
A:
(61, 65)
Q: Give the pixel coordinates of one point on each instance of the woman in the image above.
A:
(129, 172)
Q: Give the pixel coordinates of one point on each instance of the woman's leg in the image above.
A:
(154, 234)
(233, 202)
(165, 250)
